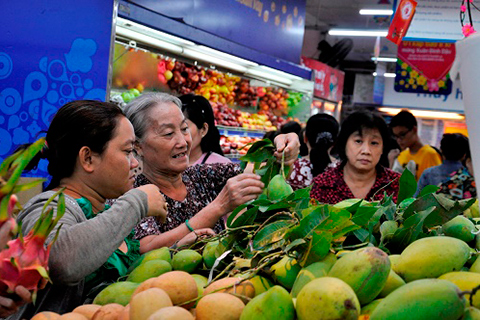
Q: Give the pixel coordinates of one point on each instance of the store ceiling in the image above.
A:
(322, 15)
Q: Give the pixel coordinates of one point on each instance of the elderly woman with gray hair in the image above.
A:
(197, 196)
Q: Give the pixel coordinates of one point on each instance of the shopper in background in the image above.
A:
(89, 146)
(197, 196)
(205, 135)
(460, 184)
(320, 135)
(359, 174)
(454, 146)
(405, 130)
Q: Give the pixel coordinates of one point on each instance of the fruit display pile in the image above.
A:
(263, 120)
(284, 256)
(235, 145)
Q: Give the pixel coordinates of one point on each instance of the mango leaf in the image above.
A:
(352, 208)
(335, 221)
(268, 171)
(387, 230)
(310, 222)
(260, 155)
(26, 186)
(271, 233)
(361, 234)
(411, 229)
(234, 214)
(363, 215)
(293, 244)
(318, 247)
(349, 226)
(283, 204)
(245, 218)
(428, 189)
(408, 186)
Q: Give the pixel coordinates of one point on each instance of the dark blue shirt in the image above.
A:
(438, 174)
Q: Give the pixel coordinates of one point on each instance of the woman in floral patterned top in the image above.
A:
(360, 146)
(320, 135)
(198, 197)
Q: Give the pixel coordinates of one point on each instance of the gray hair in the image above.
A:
(137, 110)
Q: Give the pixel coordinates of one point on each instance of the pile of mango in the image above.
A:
(433, 278)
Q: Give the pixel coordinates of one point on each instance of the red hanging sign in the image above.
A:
(328, 81)
(401, 21)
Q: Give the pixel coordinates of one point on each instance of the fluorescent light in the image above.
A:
(425, 113)
(358, 33)
(152, 32)
(375, 12)
(279, 73)
(227, 56)
(374, 74)
(384, 59)
(389, 75)
(265, 75)
(196, 55)
(130, 34)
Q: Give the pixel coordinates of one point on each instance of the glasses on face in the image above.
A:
(401, 135)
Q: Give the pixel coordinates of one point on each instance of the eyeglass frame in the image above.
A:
(402, 135)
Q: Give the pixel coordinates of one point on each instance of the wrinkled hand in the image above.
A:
(9, 306)
(239, 190)
(193, 236)
(392, 155)
(5, 234)
(157, 207)
(290, 143)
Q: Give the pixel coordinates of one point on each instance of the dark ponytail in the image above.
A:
(75, 125)
(321, 133)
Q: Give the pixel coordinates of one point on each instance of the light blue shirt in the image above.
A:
(438, 174)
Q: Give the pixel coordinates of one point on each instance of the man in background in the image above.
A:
(405, 131)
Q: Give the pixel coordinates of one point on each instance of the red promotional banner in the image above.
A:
(401, 21)
(423, 67)
(328, 81)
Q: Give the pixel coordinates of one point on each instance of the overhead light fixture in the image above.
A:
(266, 75)
(153, 32)
(384, 59)
(130, 34)
(279, 73)
(196, 55)
(425, 113)
(358, 33)
(376, 12)
(224, 55)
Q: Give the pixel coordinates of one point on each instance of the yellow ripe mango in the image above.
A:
(465, 281)
(394, 281)
(431, 257)
(471, 313)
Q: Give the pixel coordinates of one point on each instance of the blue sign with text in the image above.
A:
(274, 27)
(51, 53)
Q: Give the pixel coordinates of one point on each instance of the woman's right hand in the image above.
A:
(193, 236)
(239, 190)
(9, 306)
(157, 206)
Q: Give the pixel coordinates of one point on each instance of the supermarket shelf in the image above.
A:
(242, 132)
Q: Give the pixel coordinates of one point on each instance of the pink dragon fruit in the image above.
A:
(25, 261)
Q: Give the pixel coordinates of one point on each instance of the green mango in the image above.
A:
(209, 255)
(471, 313)
(394, 281)
(187, 260)
(157, 254)
(465, 281)
(201, 283)
(118, 292)
(311, 272)
(275, 303)
(368, 309)
(327, 298)
(285, 271)
(421, 300)
(431, 257)
(366, 270)
(460, 228)
(149, 269)
(394, 260)
(278, 188)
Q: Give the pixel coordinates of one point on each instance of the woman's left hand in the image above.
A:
(9, 306)
(193, 236)
(289, 143)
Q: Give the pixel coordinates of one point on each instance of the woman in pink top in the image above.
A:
(205, 136)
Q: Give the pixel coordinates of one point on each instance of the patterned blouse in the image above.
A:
(203, 183)
(460, 185)
(301, 176)
(330, 187)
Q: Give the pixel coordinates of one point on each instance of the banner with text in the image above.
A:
(328, 81)
(423, 67)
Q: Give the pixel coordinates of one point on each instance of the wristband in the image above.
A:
(189, 226)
